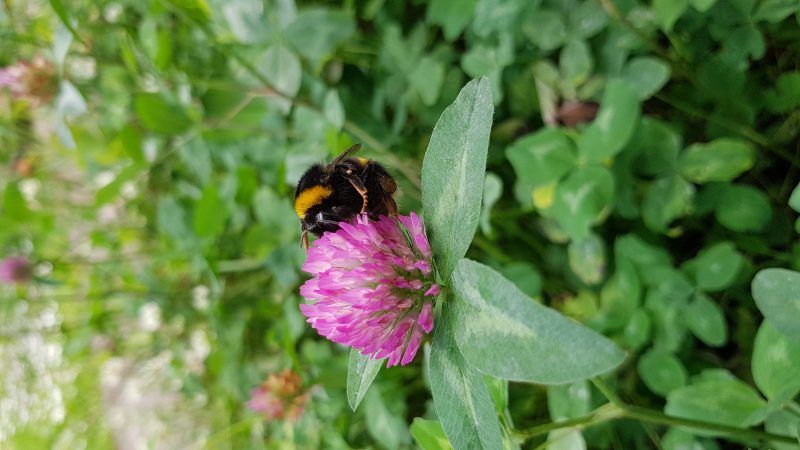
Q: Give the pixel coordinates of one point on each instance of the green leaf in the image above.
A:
(720, 160)
(581, 198)
(646, 75)
(794, 200)
(171, 218)
(159, 115)
(657, 145)
(198, 10)
(775, 11)
(317, 32)
(490, 61)
(61, 12)
(503, 333)
(666, 199)
(542, 157)
(666, 300)
(722, 401)
(361, 372)
(716, 267)
(281, 67)
(14, 205)
(637, 331)
(427, 79)
(614, 125)
(569, 401)
(452, 15)
(454, 165)
(776, 363)
(777, 296)
(661, 371)
(546, 29)
(619, 297)
(587, 20)
(384, 424)
(111, 191)
(460, 396)
(566, 439)
(210, 213)
(575, 62)
(743, 208)
(646, 257)
(333, 109)
(706, 320)
(587, 259)
(786, 94)
(702, 5)
(496, 16)
(524, 275)
(429, 434)
(492, 190)
(668, 11)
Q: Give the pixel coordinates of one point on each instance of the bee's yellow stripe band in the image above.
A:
(310, 197)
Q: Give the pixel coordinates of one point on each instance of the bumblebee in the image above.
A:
(348, 186)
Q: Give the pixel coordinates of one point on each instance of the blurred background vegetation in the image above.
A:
(148, 155)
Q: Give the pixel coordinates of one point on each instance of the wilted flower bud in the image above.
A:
(571, 113)
(15, 269)
(34, 80)
(279, 397)
(373, 287)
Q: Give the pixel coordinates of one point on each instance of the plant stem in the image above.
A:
(602, 414)
(618, 409)
(608, 392)
(657, 417)
(648, 415)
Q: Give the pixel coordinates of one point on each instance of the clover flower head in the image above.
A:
(15, 269)
(34, 80)
(279, 397)
(373, 286)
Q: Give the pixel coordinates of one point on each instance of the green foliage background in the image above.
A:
(153, 191)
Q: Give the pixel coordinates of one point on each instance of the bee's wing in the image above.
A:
(330, 167)
(389, 187)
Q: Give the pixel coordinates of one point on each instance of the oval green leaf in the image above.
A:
(281, 67)
(581, 198)
(777, 294)
(542, 157)
(661, 371)
(706, 321)
(429, 434)
(361, 372)
(452, 173)
(776, 363)
(460, 395)
(666, 199)
(504, 333)
(723, 401)
(614, 124)
(647, 75)
(720, 160)
(159, 115)
(743, 208)
(716, 267)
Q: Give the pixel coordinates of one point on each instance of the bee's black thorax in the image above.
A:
(326, 195)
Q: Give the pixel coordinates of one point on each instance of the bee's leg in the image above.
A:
(304, 238)
(359, 186)
(391, 206)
